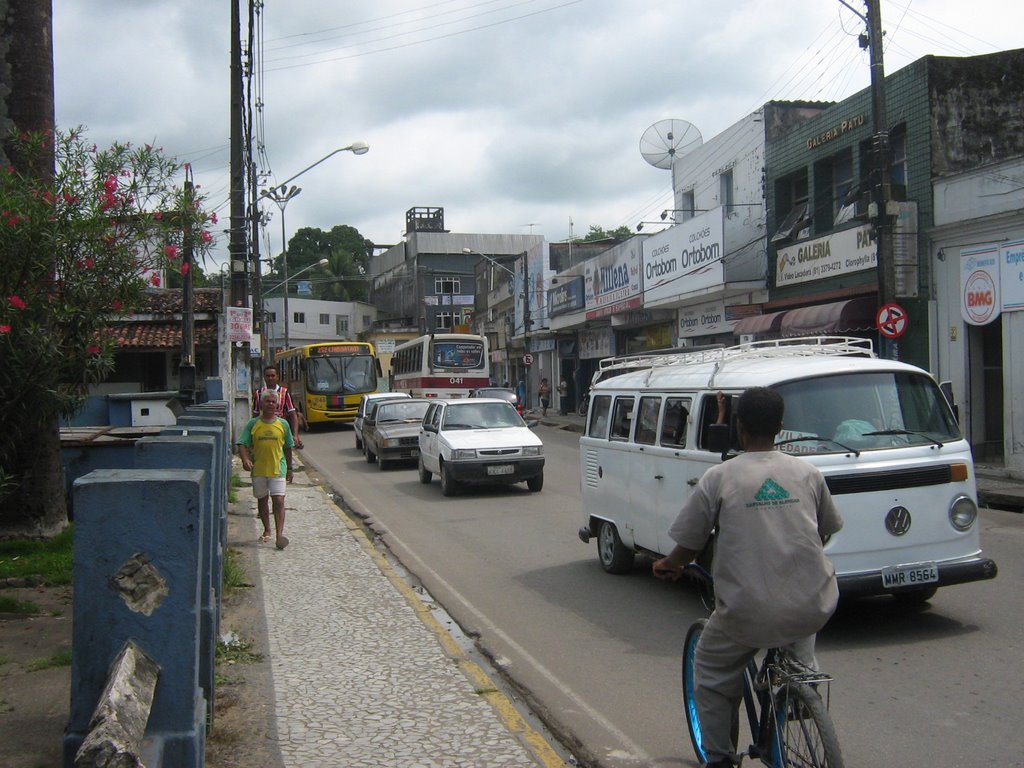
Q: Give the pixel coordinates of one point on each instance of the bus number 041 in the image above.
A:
(455, 380)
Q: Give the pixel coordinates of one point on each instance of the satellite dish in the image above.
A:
(668, 139)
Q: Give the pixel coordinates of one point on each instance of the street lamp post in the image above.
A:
(281, 194)
(526, 306)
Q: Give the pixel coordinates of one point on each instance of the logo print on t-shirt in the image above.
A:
(771, 491)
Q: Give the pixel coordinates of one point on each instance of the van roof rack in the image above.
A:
(799, 346)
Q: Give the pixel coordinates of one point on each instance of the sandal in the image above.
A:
(264, 539)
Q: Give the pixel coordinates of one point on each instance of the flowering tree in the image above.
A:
(75, 254)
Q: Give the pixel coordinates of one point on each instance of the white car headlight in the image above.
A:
(532, 450)
(962, 513)
(461, 454)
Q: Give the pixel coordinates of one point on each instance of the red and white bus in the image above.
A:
(441, 365)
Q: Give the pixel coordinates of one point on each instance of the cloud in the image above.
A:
(507, 113)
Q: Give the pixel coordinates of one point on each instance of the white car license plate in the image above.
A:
(500, 469)
(894, 576)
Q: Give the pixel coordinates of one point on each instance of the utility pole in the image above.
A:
(881, 187)
(238, 389)
(526, 320)
(187, 366)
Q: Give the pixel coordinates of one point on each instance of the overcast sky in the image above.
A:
(515, 116)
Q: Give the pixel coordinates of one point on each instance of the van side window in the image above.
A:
(709, 415)
(622, 418)
(647, 422)
(599, 416)
(677, 416)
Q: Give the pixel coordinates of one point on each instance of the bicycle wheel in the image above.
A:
(807, 736)
(689, 702)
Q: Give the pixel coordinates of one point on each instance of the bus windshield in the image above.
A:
(458, 354)
(341, 375)
(863, 412)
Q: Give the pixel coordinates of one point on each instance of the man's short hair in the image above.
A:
(760, 409)
(270, 368)
(266, 394)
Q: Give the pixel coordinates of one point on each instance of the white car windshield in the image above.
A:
(481, 416)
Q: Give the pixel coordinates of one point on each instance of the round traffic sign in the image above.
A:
(527, 359)
(891, 321)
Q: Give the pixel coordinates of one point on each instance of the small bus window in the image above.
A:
(647, 423)
(622, 418)
(673, 428)
(599, 416)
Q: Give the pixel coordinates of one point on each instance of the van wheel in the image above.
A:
(536, 482)
(424, 473)
(613, 554)
(449, 485)
(915, 596)
(369, 455)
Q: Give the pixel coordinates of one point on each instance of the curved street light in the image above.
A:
(280, 195)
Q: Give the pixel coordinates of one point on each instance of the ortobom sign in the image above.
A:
(684, 259)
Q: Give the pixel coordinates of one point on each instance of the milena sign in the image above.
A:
(684, 259)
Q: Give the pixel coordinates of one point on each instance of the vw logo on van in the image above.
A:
(897, 521)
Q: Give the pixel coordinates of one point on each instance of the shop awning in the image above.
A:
(758, 324)
(850, 315)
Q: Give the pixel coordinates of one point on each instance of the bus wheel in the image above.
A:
(613, 554)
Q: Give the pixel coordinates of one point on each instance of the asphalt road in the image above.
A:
(599, 654)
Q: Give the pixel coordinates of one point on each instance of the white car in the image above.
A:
(478, 441)
(357, 425)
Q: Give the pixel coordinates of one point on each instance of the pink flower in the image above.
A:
(93, 349)
(158, 216)
(205, 236)
(171, 251)
(5, 329)
(110, 185)
(184, 269)
(213, 217)
(116, 305)
(154, 279)
(17, 302)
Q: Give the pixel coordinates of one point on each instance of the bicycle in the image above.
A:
(789, 721)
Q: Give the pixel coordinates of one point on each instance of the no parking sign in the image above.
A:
(891, 321)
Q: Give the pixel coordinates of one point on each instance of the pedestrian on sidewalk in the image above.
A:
(265, 447)
(544, 393)
(285, 406)
(563, 396)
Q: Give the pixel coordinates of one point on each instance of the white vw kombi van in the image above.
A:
(882, 433)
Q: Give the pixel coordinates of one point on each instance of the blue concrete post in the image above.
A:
(137, 553)
(196, 452)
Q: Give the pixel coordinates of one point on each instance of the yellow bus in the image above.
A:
(327, 380)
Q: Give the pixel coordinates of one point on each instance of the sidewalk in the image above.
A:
(363, 674)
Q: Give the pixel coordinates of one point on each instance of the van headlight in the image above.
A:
(531, 450)
(462, 454)
(963, 512)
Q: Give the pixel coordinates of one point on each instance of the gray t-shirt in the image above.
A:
(773, 583)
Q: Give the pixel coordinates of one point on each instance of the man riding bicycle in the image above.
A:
(774, 586)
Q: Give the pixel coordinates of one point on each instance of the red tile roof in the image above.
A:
(140, 335)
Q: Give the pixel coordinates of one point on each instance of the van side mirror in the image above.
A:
(947, 391)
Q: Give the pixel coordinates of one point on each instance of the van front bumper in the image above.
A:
(960, 572)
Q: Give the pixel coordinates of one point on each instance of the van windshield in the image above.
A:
(864, 411)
